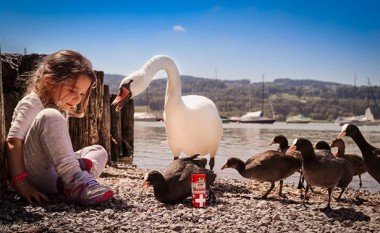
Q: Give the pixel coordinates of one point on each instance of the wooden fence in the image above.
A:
(102, 124)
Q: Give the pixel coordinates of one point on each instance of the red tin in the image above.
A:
(198, 188)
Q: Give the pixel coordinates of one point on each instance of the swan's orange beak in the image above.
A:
(122, 97)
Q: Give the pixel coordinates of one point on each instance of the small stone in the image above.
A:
(277, 217)
(176, 227)
(108, 211)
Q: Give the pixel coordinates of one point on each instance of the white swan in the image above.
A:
(192, 122)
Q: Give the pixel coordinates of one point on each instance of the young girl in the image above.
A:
(40, 154)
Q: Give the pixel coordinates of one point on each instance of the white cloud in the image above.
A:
(179, 28)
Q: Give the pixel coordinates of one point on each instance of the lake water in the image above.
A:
(152, 152)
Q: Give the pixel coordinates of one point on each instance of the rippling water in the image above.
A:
(244, 140)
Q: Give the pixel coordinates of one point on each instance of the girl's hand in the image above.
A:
(28, 192)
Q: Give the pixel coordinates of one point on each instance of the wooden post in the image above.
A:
(127, 123)
(115, 132)
(105, 132)
(3, 170)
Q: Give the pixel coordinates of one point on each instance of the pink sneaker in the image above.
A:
(84, 164)
(86, 191)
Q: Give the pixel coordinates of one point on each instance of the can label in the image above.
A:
(198, 188)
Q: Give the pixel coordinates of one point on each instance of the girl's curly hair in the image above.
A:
(61, 67)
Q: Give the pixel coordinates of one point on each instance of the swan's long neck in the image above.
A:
(157, 63)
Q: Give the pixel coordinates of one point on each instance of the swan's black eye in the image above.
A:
(127, 85)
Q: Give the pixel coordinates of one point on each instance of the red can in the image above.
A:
(198, 188)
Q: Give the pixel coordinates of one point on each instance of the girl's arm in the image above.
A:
(15, 159)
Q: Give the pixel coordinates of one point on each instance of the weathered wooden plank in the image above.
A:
(127, 123)
(105, 130)
(115, 132)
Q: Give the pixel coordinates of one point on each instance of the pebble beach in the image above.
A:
(238, 208)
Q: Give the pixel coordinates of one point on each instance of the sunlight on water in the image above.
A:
(244, 140)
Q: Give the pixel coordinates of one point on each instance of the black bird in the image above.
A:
(370, 154)
(322, 171)
(174, 185)
(283, 146)
(269, 166)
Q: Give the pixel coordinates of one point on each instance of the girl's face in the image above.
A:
(69, 94)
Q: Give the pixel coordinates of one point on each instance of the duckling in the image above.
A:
(322, 171)
(370, 154)
(269, 166)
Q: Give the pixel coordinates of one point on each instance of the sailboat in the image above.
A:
(366, 119)
(258, 116)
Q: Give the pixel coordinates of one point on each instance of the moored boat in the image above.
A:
(144, 116)
(298, 119)
(256, 117)
(366, 119)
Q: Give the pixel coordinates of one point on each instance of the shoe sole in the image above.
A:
(106, 196)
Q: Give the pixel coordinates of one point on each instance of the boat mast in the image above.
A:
(250, 96)
(262, 97)
(368, 88)
(354, 96)
(147, 99)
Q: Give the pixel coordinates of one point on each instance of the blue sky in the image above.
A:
(321, 40)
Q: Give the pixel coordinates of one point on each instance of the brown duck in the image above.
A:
(370, 154)
(322, 171)
(355, 160)
(283, 146)
(269, 166)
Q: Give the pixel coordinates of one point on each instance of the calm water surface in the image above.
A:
(244, 140)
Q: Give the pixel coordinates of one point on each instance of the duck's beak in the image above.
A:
(271, 143)
(122, 97)
(291, 149)
(145, 184)
(224, 166)
(341, 135)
